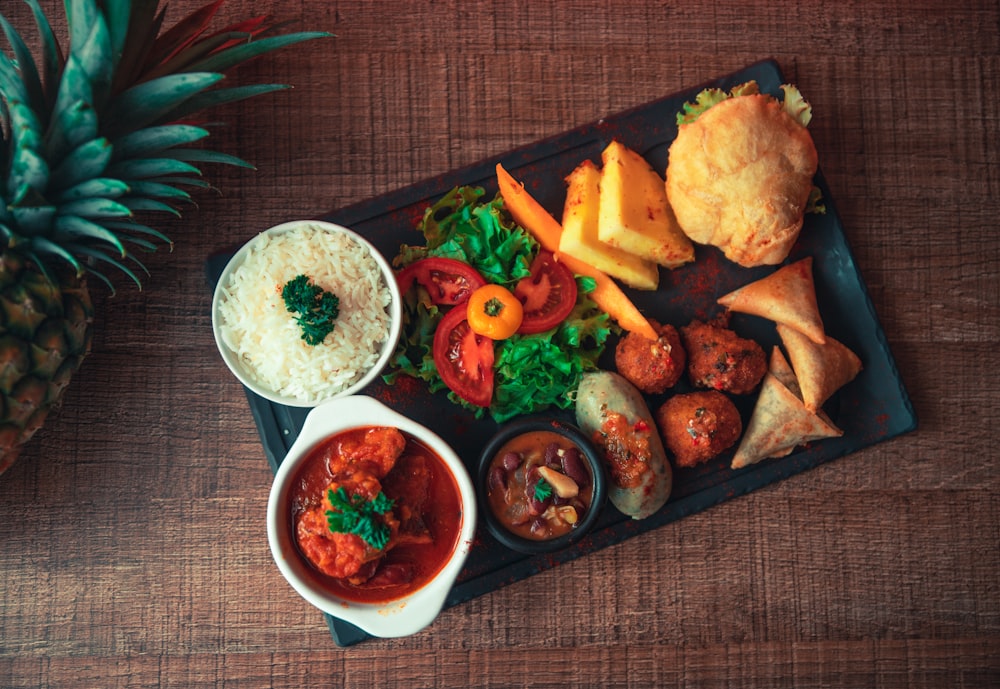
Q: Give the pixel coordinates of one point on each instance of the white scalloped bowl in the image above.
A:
(399, 617)
(241, 370)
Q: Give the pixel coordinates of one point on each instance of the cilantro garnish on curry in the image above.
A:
(470, 243)
(356, 515)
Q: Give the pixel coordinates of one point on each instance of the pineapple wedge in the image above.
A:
(579, 235)
(634, 213)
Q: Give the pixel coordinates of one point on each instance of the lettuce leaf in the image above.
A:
(531, 372)
(793, 103)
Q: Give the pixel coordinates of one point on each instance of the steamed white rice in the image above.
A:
(263, 333)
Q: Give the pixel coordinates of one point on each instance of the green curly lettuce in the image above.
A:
(531, 372)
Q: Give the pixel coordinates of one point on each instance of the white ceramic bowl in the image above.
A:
(240, 370)
(400, 617)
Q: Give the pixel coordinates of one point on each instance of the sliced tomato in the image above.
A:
(447, 280)
(464, 359)
(548, 294)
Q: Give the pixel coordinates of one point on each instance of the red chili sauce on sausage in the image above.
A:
(420, 527)
(539, 485)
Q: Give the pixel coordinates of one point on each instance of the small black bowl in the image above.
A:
(591, 458)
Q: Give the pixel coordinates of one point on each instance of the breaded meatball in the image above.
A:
(698, 426)
(720, 359)
(651, 365)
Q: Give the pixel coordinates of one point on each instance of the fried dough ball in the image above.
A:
(698, 426)
(739, 178)
(720, 359)
(653, 366)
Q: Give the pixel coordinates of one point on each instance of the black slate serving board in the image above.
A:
(872, 408)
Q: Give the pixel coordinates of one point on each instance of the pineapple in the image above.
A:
(634, 213)
(579, 235)
(91, 140)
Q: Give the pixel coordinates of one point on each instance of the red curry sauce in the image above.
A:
(427, 508)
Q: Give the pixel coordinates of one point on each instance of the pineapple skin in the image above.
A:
(579, 237)
(45, 334)
(634, 213)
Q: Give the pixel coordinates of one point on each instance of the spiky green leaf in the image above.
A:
(230, 57)
(145, 103)
(183, 59)
(184, 181)
(84, 162)
(98, 255)
(199, 155)
(32, 221)
(159, 190)
(146, 142)
(27, 67)
(142, 168)
(52, 60)
(94, 208)
(138, 203)
(117, 14)
(10, 81)
(130, 226)
(41, 245)
(98, 187)
(73, 97)
(96, 59)
(220, 96)
(69, 128)
(72, 227)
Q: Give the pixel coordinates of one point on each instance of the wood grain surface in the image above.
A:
(134, 552)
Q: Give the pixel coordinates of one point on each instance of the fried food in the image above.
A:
(653, 366)
(739, 177)
(698, 426)
(821, 369)
(720, 359)
(787, 296)
(778, 424)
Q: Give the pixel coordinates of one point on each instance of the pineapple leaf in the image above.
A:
(72, 227)
(139, 203)
(198, 155)
(180, 61)
(27, 67)
(182, 34)
(98, 255)
(98, 187)
(185, 181)
(159, 190)
(140, 242)
(31, 221)
(230, 57)
(94, 208)
(69, 128)
(146, 103)
(80, 17)
(10, 81)
(85, 161)
(151, 140)
(52, 59)
(144, 24)
(141, 168)
(117, 14)
(96, 59)
(129, 226)
(221, 96)
(41, 245)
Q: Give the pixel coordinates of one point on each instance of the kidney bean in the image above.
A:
(497, 479)
(551, 455)
(573, 466)
(511, 461)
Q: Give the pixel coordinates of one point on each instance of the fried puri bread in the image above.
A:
(739, 178)
(786, 296)
(821, 369)
(779, 423)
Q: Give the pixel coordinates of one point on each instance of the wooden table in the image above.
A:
(134, 552)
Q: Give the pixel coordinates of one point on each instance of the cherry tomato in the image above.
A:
(494, 312)
(548, 294)
(448, 281)
(464, 359)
